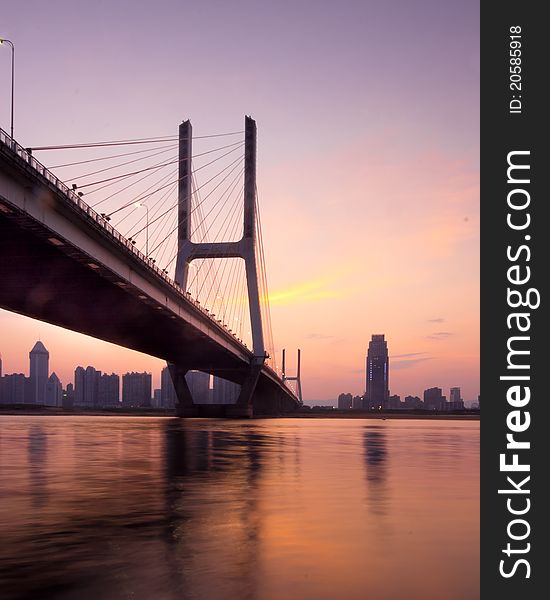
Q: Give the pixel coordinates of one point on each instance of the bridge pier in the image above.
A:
(185, 406)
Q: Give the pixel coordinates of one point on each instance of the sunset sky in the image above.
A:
(368, 161)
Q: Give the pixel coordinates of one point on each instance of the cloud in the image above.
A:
(306, 292)
(393, 357)
(438, 320)
(440, 335)
(407, 364)
(318, 336)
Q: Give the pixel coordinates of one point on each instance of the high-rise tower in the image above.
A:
(39, 359)
(377, 389)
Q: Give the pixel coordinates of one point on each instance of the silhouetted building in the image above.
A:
(108, 390)
(167, 391)
(345, 401)
(67, 399)
(13, 388)
(434, 399)
(455, 400)
(378, 373)
(199, 386)
(394, 402)
(53, 392)
(357, 403)
(413, 402)
(136, 389)
(225, 392)
(39, 359)
(157, 402)
(86, 387)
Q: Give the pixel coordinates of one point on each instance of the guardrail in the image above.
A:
(68, 193)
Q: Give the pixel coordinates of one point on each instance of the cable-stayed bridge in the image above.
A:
(164, 258)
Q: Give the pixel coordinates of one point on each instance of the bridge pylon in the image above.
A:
(245, 248)
(297, 378)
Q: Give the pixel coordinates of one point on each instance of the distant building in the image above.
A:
(357, 403)
(157, 402)
(67, 399)
(345, 401)
(167, 391)
(53, 391)
(378, 373)
(413, 402)
(224, 392)
(13, 388)
(455, 400)
(39, 359)
(394, 402)
(108, 390)
(199, 386)
(136, 389)
(434, 399)
(86, 387)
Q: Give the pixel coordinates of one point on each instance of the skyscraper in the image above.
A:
(108, 390)
(136, 389)
(86, 383)
(377, 389)
(39, 359)
(455, 400)
(54, 389)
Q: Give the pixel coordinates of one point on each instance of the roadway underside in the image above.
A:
(57, 285)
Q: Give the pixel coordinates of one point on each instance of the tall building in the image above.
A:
(86, 384)
(39, 359)
(68, 396)
(455, 400)
(53, 392)
(434, 399)
(136, 389)
(13, 388)
(167, 391)
(108, 390)
(454, 396)
(377, 389)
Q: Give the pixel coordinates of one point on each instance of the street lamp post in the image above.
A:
(10, 43)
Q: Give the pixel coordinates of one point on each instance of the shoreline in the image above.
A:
(306, 414)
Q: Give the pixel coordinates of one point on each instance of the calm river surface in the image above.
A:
(101, 508)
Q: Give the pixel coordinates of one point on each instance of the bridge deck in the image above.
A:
(64, 264)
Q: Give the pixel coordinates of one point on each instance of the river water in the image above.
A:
(101, 508)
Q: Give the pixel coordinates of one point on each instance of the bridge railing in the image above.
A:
(71, 195)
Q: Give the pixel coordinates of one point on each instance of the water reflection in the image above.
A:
(115, 508)
(211, 506)
(375, 457)
(37, 449)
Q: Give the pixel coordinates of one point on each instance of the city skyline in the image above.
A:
(400, 179)
(158, 377)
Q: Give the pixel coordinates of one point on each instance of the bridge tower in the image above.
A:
(245, 248)
(297, 378)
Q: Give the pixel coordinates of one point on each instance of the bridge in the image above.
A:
(63, 262)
